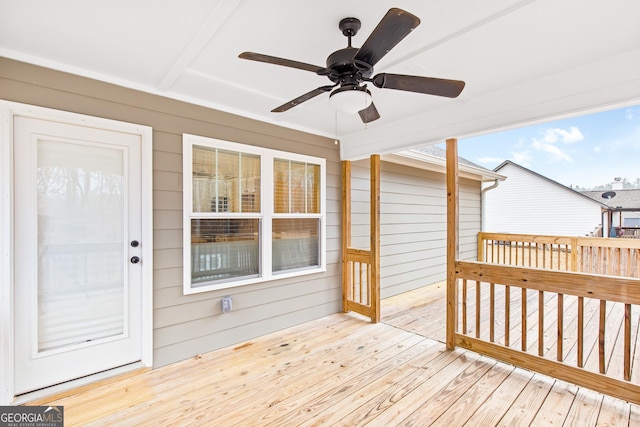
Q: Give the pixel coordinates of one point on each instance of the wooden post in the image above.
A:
(375, 237)
(346, 229)
(452, 240)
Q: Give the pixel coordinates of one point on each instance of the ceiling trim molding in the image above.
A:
(214, 22)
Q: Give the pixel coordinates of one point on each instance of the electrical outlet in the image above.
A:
(227, 304)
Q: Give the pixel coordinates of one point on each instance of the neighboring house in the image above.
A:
(529, 203)
(150, 211)
(413, 215)
(621, 215)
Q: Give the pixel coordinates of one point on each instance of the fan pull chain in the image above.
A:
(335, 141)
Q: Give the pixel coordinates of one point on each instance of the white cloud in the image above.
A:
(566, 136)
(521, 158)
(488, 159)
(555, 154)
(521, 143)
(630, 113)
(551, 137)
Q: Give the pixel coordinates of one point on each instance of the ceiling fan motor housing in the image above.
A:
(343, 69)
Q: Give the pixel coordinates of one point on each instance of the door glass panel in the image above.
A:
(81, 202)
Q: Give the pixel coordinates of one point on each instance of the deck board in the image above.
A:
(342, 370)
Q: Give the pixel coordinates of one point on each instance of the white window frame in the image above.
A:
(267, 157)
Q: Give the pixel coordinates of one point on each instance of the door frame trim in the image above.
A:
(8, 110)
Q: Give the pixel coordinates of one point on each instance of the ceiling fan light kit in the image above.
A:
(350, 99)
(350, 68)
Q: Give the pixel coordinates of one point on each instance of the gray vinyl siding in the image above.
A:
(413, 223)
(187, 325)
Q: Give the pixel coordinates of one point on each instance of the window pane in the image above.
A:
(281, 186)
(295, 243)
(224, 249)
(250, 183)
(297, 187)
(225, 181)
(313, 188)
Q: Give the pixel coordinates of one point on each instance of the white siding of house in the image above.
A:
(529, 204)
(413, 217)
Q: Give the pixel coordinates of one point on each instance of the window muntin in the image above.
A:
(251, 214)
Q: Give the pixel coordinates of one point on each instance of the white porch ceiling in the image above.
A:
(524, 61)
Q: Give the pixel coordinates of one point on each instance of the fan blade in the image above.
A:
(391, 29)
(280, 61)
(302, 98)
(369, 114)
(428, 85)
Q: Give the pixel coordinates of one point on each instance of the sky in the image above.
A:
(584, 151)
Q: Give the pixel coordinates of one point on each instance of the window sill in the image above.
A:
(189, 290)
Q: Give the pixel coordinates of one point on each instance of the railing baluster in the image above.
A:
(627, 342)
(559, 352)
(507, 314)
(361, 284)
(601, 267)
(495, 254)
(580, 360)
(353, 280)
(601, 336)
(369, 284)
(492, 311)
(477, 309)
(504, 252)
(540, 323)
(523, 321)
(464, 306)
(619, 254)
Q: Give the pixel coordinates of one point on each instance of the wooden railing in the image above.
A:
(361, 267)
(597, 255)
(537, 303)
(360, 286)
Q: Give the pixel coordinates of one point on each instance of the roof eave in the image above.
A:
(437, 164)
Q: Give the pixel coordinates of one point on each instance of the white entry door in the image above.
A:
(77, 266)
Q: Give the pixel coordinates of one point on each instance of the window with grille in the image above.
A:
(251, 214)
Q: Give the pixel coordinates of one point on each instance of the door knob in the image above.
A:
(135, 260)
(134, 243)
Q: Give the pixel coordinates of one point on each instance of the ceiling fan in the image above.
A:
(350, 67)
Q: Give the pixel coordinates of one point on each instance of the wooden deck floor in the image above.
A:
(343, 371)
